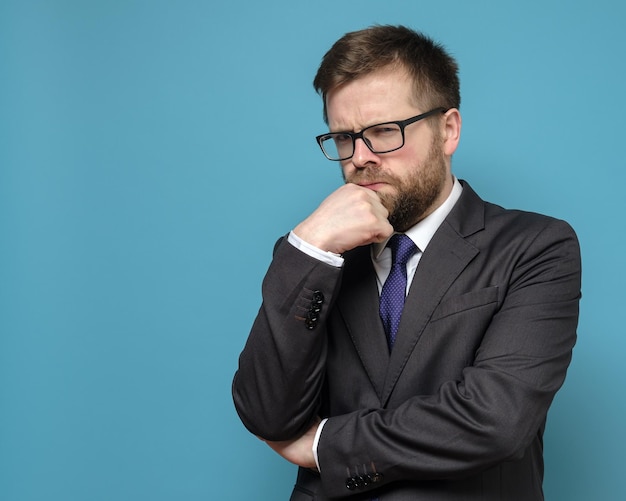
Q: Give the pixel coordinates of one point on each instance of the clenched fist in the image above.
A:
(349, 217)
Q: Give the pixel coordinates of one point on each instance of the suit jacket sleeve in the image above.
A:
(277, 387)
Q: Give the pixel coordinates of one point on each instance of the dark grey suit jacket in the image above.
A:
(457, 410)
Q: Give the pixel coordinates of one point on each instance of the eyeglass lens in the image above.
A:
(379, 138)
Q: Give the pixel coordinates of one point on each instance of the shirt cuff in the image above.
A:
(316, 440)
(326, 257)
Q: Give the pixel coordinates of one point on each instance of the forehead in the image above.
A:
(385, 95)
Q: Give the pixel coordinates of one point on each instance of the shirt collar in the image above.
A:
(423, 231)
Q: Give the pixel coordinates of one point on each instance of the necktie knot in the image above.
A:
(402, 248)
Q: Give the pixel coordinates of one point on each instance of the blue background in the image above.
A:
(151, 153)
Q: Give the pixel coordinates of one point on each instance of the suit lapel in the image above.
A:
(358, 307)
(446, 256)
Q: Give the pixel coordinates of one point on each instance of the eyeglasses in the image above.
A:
(379, 138)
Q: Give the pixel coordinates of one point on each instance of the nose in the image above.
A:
(364, 157)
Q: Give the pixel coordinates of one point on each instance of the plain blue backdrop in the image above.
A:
(152, 151)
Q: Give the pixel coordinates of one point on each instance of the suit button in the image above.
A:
(311, 320)
(318, 297)
(351, 483)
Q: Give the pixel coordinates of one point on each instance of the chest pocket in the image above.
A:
(465, 302)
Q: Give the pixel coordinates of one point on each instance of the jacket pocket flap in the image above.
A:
(465, 302)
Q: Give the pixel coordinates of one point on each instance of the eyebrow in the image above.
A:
(357, 131)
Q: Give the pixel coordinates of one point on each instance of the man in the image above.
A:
(446, 399)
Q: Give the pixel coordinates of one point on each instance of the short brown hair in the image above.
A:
(359, 53)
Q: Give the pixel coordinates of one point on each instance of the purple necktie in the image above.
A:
(393, 293)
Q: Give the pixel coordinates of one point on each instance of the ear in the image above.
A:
(451, 131)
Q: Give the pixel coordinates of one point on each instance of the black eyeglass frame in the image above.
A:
(359, 135)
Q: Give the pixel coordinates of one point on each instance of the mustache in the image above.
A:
(369, 178)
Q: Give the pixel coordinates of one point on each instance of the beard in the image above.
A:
(417, 194)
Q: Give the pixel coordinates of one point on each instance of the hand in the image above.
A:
(300, 450)
(351, 216)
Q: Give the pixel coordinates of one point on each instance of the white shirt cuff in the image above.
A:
(326, 257)
(316, 440)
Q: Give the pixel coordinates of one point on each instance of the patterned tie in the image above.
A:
(393, 293)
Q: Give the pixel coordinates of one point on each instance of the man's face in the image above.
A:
(412, 181)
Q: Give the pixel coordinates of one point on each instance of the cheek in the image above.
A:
(405, 163)
(416, 149)
(413, 154)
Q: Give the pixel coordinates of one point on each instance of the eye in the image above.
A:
(342, 138)
(383, 130)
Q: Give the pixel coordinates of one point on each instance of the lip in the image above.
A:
(373, 185)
